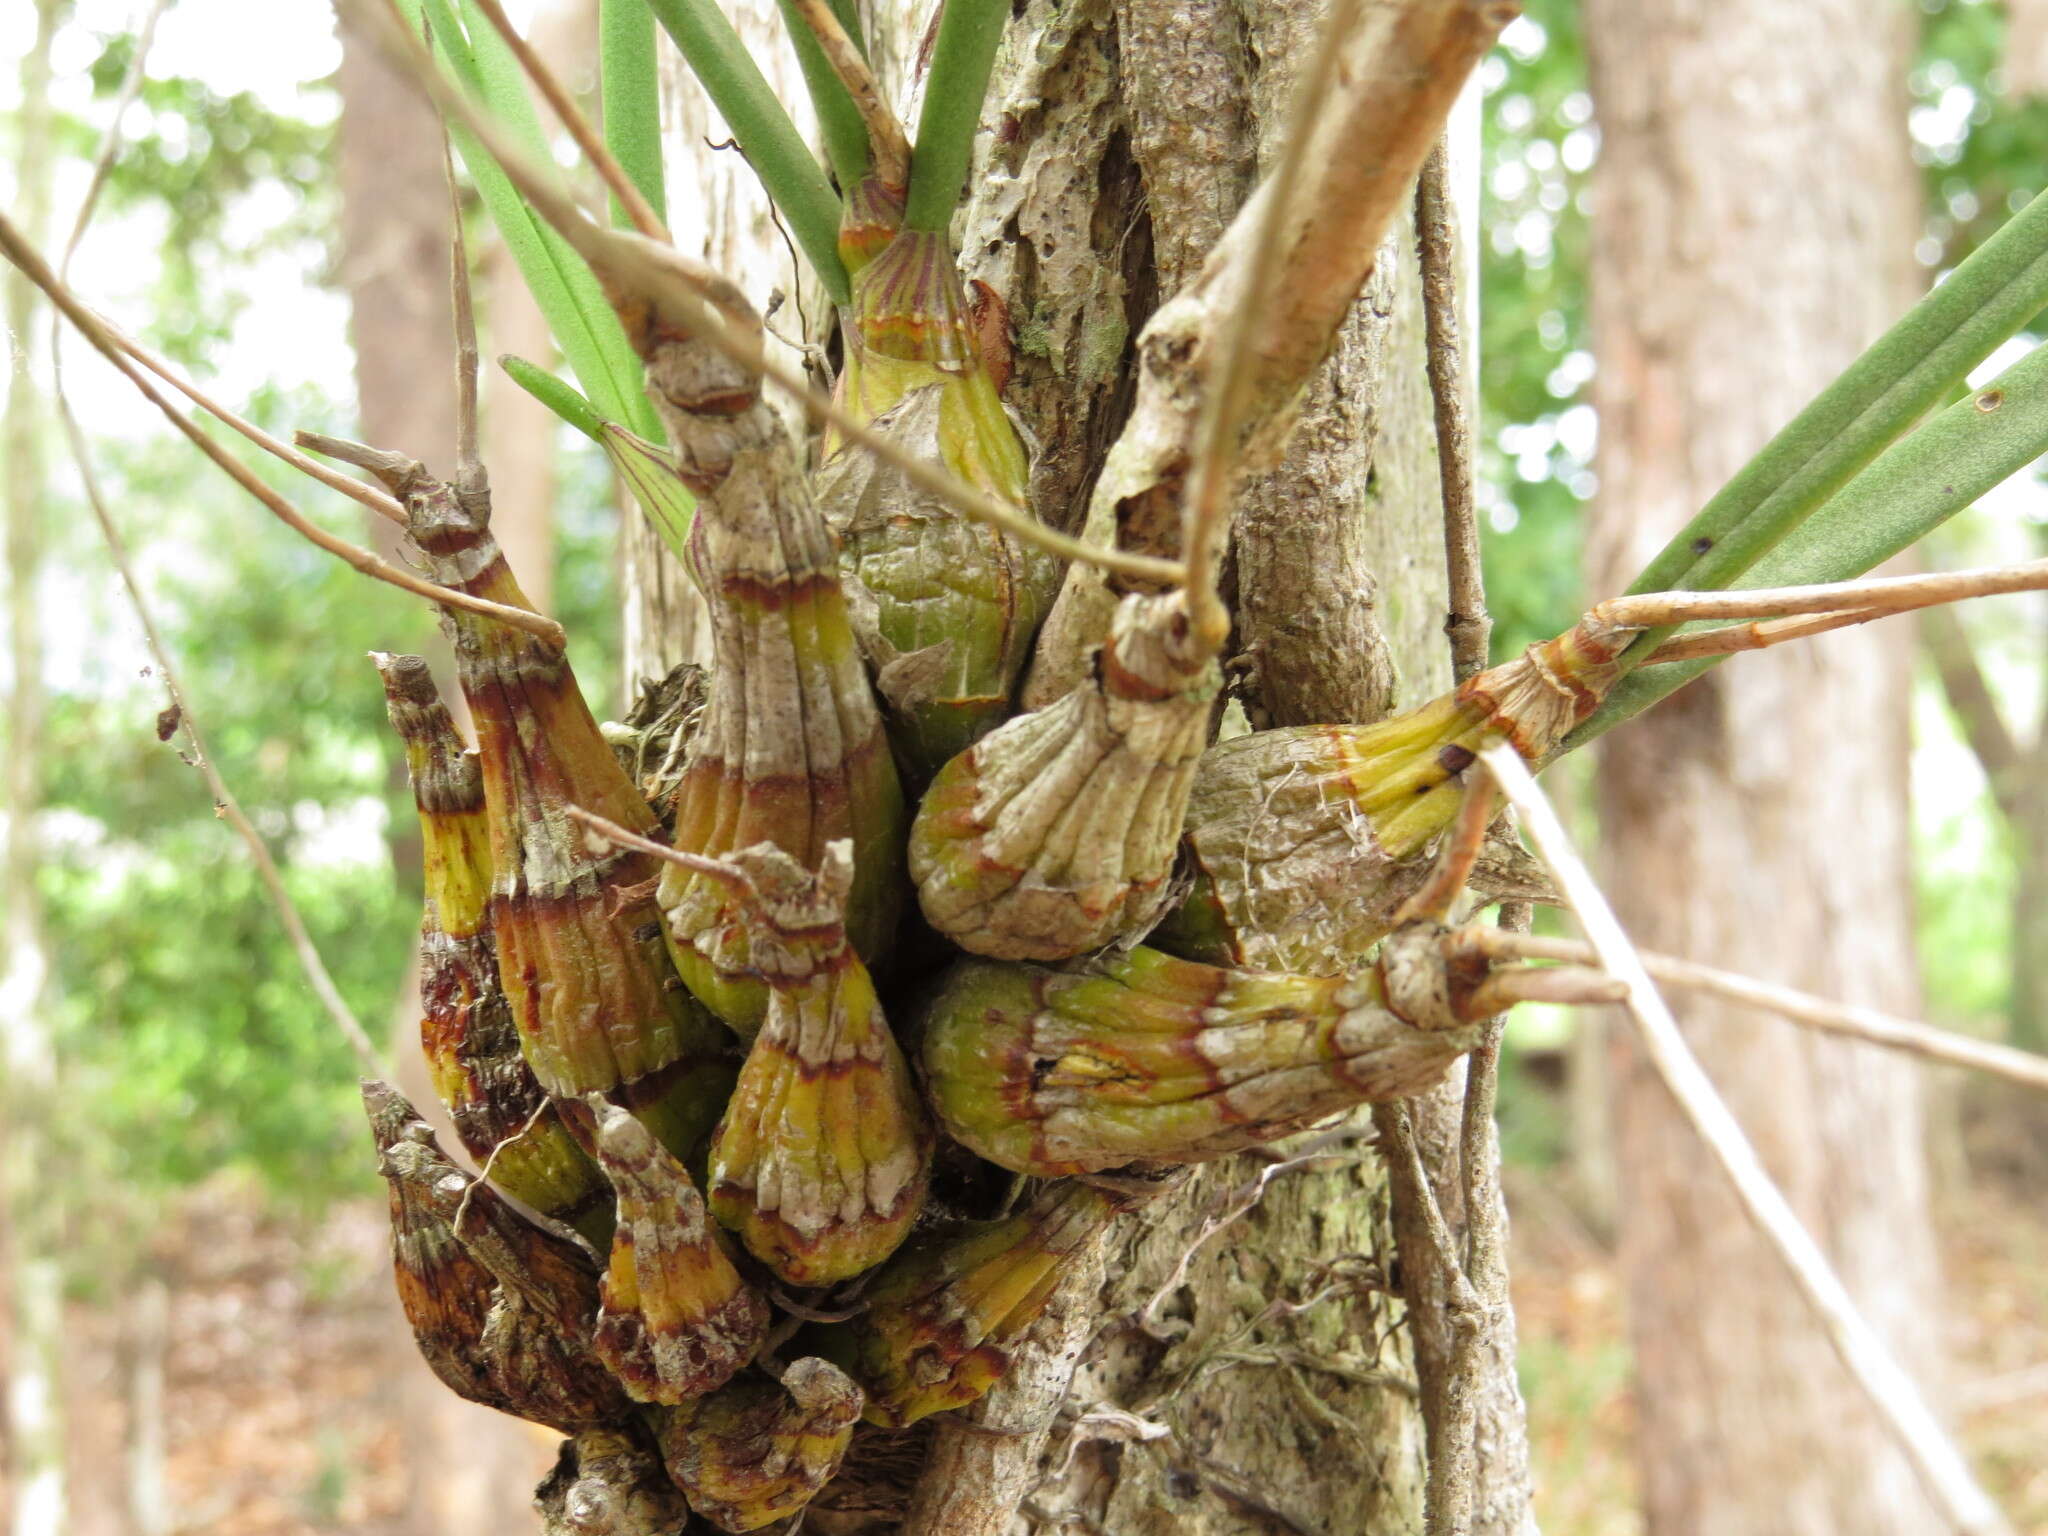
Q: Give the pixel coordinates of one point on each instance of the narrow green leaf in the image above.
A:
(650, 470)
(557, 396)
(1994, 293)
(567, 294)
(629, 90)
(767, 137)
(969, 31)
(1911, 489)
(845, 135)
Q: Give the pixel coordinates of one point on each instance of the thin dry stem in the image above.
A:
(24, 256)
(1463, 842)
(469, 462)
(887, 142)
(1448, 1498)
(377, 501)
(1436, 230)
(714, 310)
(1873, 597)
(1758, 637)
(1942, 1468)
(110, 141)
(1227, 381)
(1844, 1019)
(611, 832)
(587, 138)
(225, 804)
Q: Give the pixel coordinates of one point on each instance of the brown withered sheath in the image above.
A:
(501, 1310)
(1056, 833)
(757, 1450)
(676, 1318)
(580, 952)
(472, 1048)
(822, 1159)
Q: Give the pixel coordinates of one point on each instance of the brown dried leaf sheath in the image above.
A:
(822, 1159)
(466, 1028)
(501, 1310)
(677, 1320)
(757, 1450)
(1055, 833)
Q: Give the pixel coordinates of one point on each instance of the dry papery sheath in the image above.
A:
(822, 1159)
(790, 748)
(466, 1031)
(1056, 833)
(1304, 842)
(676, 1319)
(580, 952)
(1145, 1057)
(955, 603)
(757, 1450)
(943, 1315)
(501, 1310)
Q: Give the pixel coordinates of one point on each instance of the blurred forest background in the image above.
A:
(227, 1319)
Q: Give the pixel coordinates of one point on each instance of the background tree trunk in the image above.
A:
(471, 1468)
(32, 1174)
(1757, 820)
(1130, 131)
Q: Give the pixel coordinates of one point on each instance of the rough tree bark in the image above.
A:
(1755, 208)
(1126, 132)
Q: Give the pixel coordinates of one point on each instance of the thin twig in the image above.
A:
(1227, 379)
(1448, 1498)
(225, 803)
(384, 506)
(1875, 595)
(1844, 1019)
(24, 256)
(1436, 232)
(1943, 1471)
(617, 182)
(1462, 845)
(712, 309)
(470, 479)
(110, 141)
(887, 142)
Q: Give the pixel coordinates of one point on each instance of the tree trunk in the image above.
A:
(32, 1176)
(1276, 1364)
(1754, 212)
